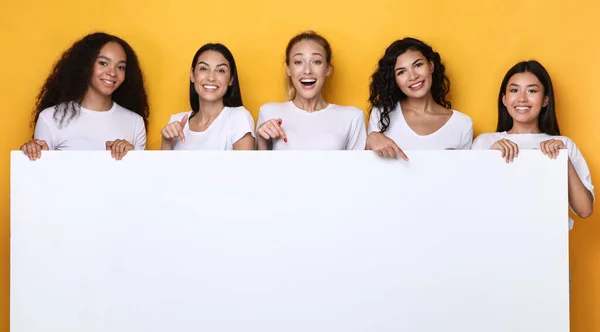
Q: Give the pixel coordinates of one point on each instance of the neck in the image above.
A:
(209, 110)
(525, 128)
(310, 105)
(96, 102)
(423, 105)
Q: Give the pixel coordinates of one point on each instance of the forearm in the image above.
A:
(580, 198)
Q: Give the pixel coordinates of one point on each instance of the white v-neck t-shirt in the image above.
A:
(90, 130)
(333, 128)
(456, 133)
(228, 127)
(532, 142)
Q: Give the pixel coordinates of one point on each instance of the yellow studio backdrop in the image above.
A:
(478, 41)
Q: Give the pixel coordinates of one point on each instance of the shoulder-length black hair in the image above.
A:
(547, 122)
(233, 96)
(70, 77)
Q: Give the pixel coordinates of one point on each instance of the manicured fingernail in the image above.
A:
(285, 140)
(279, 122)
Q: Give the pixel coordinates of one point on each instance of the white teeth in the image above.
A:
(416, 85)
(308, 80)
(109, 82)
(522, 108)
(210, 87)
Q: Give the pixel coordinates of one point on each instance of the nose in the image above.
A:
(307, 69)
(413, 75)
(111, 71)
(211, 75)
(523, 96)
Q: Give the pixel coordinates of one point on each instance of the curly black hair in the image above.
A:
(70, 77)
(385, 93)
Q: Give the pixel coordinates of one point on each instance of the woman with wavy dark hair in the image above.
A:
(218, 119)
(408, 105)
(93, 99)
(527, 120)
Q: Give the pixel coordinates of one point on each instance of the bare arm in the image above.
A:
(244, 143)
(580, 198)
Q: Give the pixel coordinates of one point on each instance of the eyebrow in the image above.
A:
(529, 85)
(206, 64)
(316, 53)
(109, 59)
(414, 62)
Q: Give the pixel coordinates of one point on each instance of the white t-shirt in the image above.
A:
(90, 130)
(533, 141)
(333, 128)
(456, 133)
(226, 129)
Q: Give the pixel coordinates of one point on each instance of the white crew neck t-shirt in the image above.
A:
(226, 129)
(90, 130)
(456, 133)
(333, 128)
(532, 142)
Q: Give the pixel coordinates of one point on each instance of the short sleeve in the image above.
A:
(260, 119)
(580, 166)
(358, 133)
(140, 135)
(482, 142)
(373, 120)
(467, 139)
(241, 124)
(43, 131)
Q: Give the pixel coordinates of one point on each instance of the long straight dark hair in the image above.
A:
(233, 96)
(547, 122)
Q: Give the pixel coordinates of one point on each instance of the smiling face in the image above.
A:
(413, 74)
(308, 68)
(524, 98)
(109, 68)
(211, 76)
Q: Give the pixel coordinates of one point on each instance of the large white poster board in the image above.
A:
(289, 241)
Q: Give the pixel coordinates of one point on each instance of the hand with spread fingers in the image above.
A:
(509, 149)
(33, 149)
(119, 148)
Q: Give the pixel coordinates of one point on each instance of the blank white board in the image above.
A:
(289, 241)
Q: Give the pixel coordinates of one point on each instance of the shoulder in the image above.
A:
(129, 114)
(462, 118)
(350, 111)
(273, 107)
(485, 140)
(179, 116)
(237, 111)
(569, 143)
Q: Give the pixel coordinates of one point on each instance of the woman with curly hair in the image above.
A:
(408, 103)
(93, 99)
(307, 121)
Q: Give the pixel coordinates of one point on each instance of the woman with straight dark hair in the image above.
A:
(527, 120)
(408, 105)
(218, 119)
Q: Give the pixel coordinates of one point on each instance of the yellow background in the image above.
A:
(479, 40)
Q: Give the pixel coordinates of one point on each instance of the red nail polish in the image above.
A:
(285, 140)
